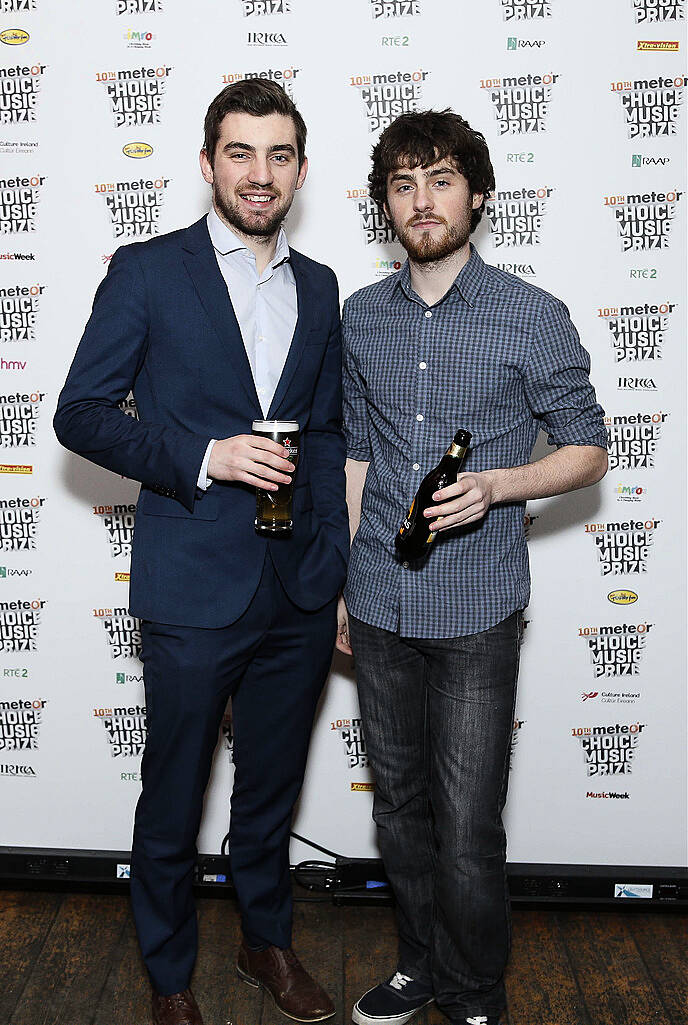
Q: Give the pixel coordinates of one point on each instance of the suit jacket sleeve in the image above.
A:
(109, 359)
(326, 445)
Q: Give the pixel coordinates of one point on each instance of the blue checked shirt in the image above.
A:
(495, 356)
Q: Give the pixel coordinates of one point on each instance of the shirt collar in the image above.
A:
(468, 282)
(225, 241)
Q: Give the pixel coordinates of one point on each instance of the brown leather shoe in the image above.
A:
(281, 973)
(178, 1009)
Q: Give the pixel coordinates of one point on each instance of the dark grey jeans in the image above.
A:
(438, 717)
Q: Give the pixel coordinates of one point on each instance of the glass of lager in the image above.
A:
(273, 508)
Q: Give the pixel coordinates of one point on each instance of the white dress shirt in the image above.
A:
(265, 306)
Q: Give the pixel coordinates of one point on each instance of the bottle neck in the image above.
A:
(456, 451)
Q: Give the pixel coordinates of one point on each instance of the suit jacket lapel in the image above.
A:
(304, 297)
(201, 263)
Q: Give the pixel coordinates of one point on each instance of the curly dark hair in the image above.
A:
(255, 96)
(425, 137)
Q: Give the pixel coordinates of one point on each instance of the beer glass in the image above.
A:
(273, 508)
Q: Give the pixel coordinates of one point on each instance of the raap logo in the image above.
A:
(515, 736)
(629, 493)
(526, 10)
(638, 332)
(514, 43)
(137, 150)
(353, 738)
(385, 97)
(139, 39)
(19, 90)
(373, 223)
(623, 547)
(521, 270)
(516, 216)
(136, 96)
(123, 632)
(119, 523)
(644, 220)
(638, 160)
(20, 724)
(8, 572)
(261, 8)
(124, 678)
(19, 419)
(652, 106)
(283, 76)
(632, 440)
(652, 11)
(521, 102)
(266, 39)
(616, 650)
(19, 305)
(19, 519)
(125, 729)
(19, 199)
(134, 207)
(17, 6)
(383, 268)
(19, 623)
(395, 8)
(14, 36)
(139, 6)
(609, 750)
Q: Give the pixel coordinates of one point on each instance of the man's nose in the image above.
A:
(260, 172)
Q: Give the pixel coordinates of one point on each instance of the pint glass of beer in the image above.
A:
(273, 508)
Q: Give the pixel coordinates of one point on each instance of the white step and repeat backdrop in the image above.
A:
(101, 111)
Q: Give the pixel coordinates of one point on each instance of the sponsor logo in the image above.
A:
(623, 547)
(134, 207)
(283, 76)
(609, 794)
(363, 788)
(394, 8)
(652, 106)
(633, 890)
(619, 697)
(261, 8)
(23, 148)
(14, 468)
(587, 695)
(514, 43)
(139, 6)
(616, 650)
(266, 39)
(526, 10)
(136, 95)
(123, 632)
(19, 199)
(637, 332)
(632, 440)
(636, 384)
(373, 224)
(17, 256)
(609, 750)
(622, 597)
(123, 871)
(353, 738)
(13, 571)
(638, 160)
(383, 268)
(521, 102)
(122, 578)
(516, 216)
(19, 90)
(652, 11)
(387, 96)
(125, 728)
(522, 270)
(19, 418)
(14, 36)
(137, 150)
(20, 724)
(394, 41)
(629, 492)
(19, 305)
(520, 158)
(644, 220)
(139, 39)
(15, 674)
(658, 46)
(122, 678)
(26, 771)
(119, 523)
(12, 364)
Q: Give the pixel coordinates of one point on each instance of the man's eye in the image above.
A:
(441, 181)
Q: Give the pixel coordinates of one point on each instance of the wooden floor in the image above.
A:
(72, 959)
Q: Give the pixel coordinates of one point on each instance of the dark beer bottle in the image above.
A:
(415, 537)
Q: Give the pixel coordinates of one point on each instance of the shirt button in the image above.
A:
(416, 466)
(428, 314)
(423, 365)
(419, 417)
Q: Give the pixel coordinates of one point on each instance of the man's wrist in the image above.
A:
(497, 483)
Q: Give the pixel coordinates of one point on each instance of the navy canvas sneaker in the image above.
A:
(393, 1002)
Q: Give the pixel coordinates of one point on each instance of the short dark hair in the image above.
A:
(251, 96)
(425, 137)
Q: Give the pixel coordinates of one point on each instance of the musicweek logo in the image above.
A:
(526, 10)
(19, 199)
(638, 332)
(351, 734)
(516, 216)
(652, 106)
(136, 94)
(632, 439)
(386, 96)
(134, 207)
(616, 649)
(609, 750)
(644, 220)
(119, 521)
(623, 547)
(374, 225)
(521, 102)
(122, 630)
(19, 305)
(19, 519)
(20, 87)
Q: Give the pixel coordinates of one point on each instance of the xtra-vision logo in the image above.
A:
(19, 306)
(521, 103)
(123, 632)
(119, 523)
(632, 440)
(616, 650)
(136, 96)
(623, 547)
(644, 220)
(19, 519)
(648, 12)
(134, 207)
(19, 199)
(516, 216)
(20, 87)
(19, 623)
(638, 333)
(652, 106)
(125, 729)
(373, 222)
(526, 10)
(20, 724)
(353, 738)
(385, 97)
(19, 418)
(609, 750)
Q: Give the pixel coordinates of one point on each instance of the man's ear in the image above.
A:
(478, 198)
(206, 167)
(303, 171)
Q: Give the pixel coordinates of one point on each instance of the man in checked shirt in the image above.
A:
(448, 342)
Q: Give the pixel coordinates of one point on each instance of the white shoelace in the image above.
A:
(399, 981)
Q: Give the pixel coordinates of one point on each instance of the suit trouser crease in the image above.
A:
(272, 662)
(438, 716)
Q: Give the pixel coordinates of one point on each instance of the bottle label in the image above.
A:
(406, 525)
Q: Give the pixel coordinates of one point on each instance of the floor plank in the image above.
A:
(663, 945)
(25, 920)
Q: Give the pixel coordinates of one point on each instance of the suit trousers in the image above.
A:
(272, 662)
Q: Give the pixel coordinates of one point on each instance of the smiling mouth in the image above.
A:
(258, 200)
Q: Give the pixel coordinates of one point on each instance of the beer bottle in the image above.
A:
(415, 537)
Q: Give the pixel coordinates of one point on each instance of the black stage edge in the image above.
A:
(361, 880)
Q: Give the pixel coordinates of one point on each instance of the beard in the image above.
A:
(249, 222)
(425, 248)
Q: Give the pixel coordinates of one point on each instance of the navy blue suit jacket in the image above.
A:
(163, 326)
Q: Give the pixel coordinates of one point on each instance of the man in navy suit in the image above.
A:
(212, 327)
